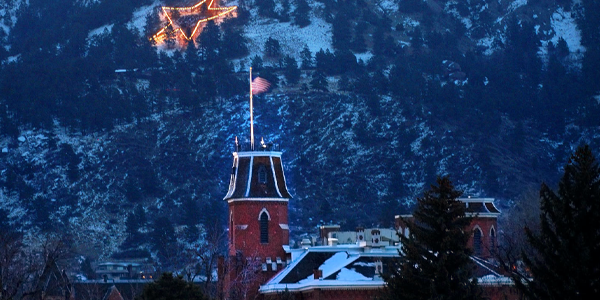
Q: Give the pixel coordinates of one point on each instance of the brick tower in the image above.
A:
(258, 220)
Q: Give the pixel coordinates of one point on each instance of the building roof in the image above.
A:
(257, 175)
(341, 267)
(354, 267)
(481, 207)
(113, 294)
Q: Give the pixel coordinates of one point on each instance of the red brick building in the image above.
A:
(262, 265)
(258, 221)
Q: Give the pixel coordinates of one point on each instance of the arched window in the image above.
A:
(262, 175)
(264, 227)
(492, 240)
(477, 246)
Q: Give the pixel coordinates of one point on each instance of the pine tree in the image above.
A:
(566, 264)
(291, 71)
(306, 56)
(272, 48)
(173, 288)
(435, 261)
(319, 81)
(302, 13)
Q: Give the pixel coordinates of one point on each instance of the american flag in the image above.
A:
(260, 85)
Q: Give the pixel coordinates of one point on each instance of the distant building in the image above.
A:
(122, 271)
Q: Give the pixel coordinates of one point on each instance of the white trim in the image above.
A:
(482, 215)
(478, 228)
(236, 164)
(494, 229)
(283, 174)
(249, 176)
(258, 153)
(259, 199)
(481, 200)
(284, 226)
(323, 285)
(241, 227)
(264, 210)
(274, 176)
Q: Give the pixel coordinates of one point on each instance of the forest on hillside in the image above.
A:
(361, 135)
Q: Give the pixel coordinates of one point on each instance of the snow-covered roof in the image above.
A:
(342, 267)
(354, 267)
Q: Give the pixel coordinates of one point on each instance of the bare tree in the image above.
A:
(244, 272)
(512, 240)
(16, 270)
(27, 267)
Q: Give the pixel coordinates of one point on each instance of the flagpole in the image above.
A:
(251, 115)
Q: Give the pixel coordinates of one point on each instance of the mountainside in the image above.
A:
(388, 95)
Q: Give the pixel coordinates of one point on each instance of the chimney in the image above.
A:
(318, 274)
(325, 231)
(332, 241)
(360, 236)
(305, 244)
(376, 238)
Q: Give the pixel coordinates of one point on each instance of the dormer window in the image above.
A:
(262, 175)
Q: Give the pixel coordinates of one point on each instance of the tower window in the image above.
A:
(477, 246)
(492, 239)
(264, 228)
(262, 175)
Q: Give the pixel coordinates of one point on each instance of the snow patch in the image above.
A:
(292, 38)
(100, 30)
(139, 17)
(565, 26)
(516, 4)
(351, 275)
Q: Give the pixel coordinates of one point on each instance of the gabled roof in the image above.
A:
(113, 294)
(355, 267)
(342, 267)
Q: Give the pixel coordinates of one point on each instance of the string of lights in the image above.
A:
(190, 10)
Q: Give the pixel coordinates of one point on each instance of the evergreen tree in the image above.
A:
(272, 48)
(163, 238)
(257, 63)
(266, 8)
(306, 56)
(435, 262)
(291, 71)
(302, 13)
(566, 264)
(172, 288)
(284, 15)
(319, 81)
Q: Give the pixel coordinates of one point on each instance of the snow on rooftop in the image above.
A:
(351, 275)
(332, 264)
(493, 279)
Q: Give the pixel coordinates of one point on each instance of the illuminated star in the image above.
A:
(182, 12)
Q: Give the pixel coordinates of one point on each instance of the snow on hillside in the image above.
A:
(139, 16)
(564, 25)
(516, 4)
(8, 14)
(292, 38)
